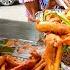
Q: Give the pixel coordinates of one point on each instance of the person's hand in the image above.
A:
(67, 2)
(28, 0)
(31, 18)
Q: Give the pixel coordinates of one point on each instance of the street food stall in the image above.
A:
(40, 45)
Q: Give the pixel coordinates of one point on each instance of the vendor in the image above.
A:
(34, 6)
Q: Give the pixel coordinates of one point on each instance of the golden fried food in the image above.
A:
(30, 63)
(41, 67)
(13, 61)
(3, 67)
(66, 39)
(52, 54)
(58, 58)
(38, 64)
(53, 51)
(58, 36)
(53, 17)
(2, 60)
(53, 27)
(52, 39)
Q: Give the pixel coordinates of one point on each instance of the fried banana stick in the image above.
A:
(28, 64)
(58, 58)
(41, 67)
(50, 68)
(53, 51)
(12, 60)
(17, 67)
(2, 60)
(66, 39)
(3, 67)
(38, 64)
(53, 27)
(48, 57)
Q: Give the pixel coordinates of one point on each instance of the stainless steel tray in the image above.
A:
(25, 54)
(18, 29)
(40, 49)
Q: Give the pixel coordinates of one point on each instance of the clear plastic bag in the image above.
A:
(21, 1)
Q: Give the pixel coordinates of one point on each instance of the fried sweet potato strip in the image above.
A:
(30, 63)
(10, 43)
(25, 65)
(52, 27)
(52, 53)
(3, 67)
(58, 58)
(2, 60)
(13, 61)
(41, 67)
(51, 57)
(38, 64)
(66, 39)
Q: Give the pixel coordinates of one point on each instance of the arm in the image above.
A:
(51, 4)
(32, 6)
(67, 2)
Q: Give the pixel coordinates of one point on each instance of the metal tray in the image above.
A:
(25, 54)
(40, 49)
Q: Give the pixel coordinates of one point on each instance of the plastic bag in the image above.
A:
(21, 1)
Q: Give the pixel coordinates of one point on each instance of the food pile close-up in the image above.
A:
(52, 55)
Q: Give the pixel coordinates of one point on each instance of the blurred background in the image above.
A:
(13, 22)
(12, 10)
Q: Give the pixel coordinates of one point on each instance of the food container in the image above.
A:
(25, 54)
